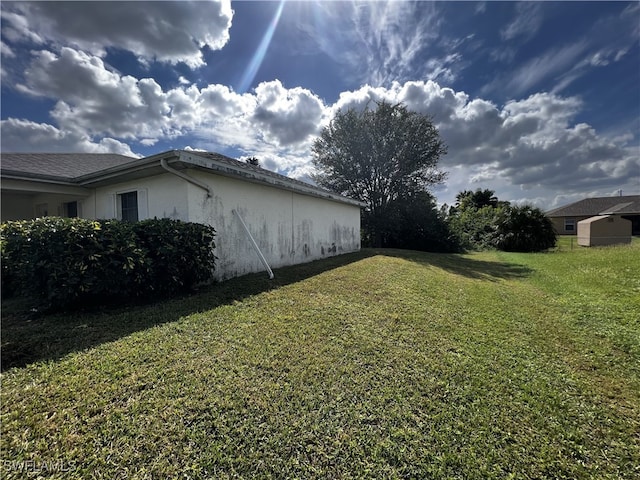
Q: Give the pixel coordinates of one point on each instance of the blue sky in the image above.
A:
(539, 101)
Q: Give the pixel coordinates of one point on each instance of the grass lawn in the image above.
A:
(381, 364)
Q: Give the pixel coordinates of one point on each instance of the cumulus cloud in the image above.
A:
(532, 145)
(92, 100)
(24, 135)
(529, 144)
(287, 116)
(96, 26)
(6, 51)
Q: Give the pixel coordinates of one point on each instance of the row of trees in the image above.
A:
(388, 157)
(479, 220)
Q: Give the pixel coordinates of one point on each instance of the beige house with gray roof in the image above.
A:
(263, 220)
(599, 220)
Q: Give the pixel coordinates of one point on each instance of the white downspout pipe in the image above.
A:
(255, 245)
(194, 181)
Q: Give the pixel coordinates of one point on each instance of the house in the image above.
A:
(610, 219)
(263, 220)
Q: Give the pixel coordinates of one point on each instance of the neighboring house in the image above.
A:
(617, 219)
(290, 221)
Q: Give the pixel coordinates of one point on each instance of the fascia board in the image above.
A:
(256, 177)
(116, 172)
(40, 185)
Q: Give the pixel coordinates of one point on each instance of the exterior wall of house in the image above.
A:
(161, 196)
(288, 227)
(560, 225)
(604, 230)
(23, 200)
(52, 204)
(17, 206)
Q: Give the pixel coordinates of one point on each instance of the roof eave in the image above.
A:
(256, 177)
(15, 175)
(187, 158)
(121, 170)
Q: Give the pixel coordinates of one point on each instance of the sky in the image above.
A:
(538, 101)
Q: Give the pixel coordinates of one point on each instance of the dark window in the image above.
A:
(71, 209)
(569, 224)
(129, 206)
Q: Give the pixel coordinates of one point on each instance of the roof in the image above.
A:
(78, 169)
(588, 207)
(246, 166)
(62, 166)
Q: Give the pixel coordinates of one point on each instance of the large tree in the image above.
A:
(380, 156)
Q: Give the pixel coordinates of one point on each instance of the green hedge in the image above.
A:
(62, 262)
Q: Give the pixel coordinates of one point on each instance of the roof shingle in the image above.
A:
(629, 204)
(64, 166)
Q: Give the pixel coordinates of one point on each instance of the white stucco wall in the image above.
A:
(288, 227)
(161, 196)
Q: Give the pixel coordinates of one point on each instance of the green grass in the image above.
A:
(381, 364)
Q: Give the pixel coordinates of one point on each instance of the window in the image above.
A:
(569, 224)
(42, 210)
(70, 209)
(128, 206)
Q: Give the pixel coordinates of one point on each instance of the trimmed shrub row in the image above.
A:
(61, 262)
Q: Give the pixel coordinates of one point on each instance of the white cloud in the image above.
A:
(523, 149)
(288, 116)
(387, 40)
(93, 101)
(602, 43)
(526, 23)
(550, 65)
(529, 145)
(6, 51)
(132, 26)
(24, 135)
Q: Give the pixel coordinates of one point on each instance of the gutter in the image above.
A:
(264, 178)
(194, 181)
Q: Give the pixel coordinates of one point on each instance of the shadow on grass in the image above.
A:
(464, 265)
(29, 337)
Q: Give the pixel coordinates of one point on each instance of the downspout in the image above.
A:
(255, 245)
(194, 181)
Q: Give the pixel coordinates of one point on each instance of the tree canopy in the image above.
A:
(478, 199)
(479, 220)
(379, 156)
